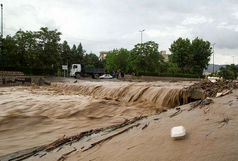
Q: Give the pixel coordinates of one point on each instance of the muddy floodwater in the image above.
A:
(36, 115)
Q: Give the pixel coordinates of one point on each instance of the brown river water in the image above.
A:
(36, 115)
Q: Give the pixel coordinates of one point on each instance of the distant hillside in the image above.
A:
(210, 68)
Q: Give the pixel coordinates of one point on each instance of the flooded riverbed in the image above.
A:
(33, 116)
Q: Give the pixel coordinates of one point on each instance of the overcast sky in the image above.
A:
(102, 25)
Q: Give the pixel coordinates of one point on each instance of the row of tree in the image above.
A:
(41, 52)
(188, 58)
(143, 58)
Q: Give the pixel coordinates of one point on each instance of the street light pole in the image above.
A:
(1, 29)
(213, 46)
(1, 20)
(141, 31)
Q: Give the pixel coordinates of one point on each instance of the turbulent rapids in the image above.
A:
(160, 96)
(36, 115)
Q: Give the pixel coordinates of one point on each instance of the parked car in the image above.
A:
(106, 76)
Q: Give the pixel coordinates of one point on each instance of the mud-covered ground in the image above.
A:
(33, 116)
(212, 135)
(36, 115)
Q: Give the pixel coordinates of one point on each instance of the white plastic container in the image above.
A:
(178, 132)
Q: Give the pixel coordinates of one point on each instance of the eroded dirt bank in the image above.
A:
(212, 134)
(33, 116)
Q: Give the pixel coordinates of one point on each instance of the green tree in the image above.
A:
(145, 57)
(117, 60)
(27, 50)
(74, 54)
(9, 57)
(181, 54)
(49, 46)
(77, 54)
(190, 57)
(80, 53)
(92, 61)
(201, 52)
(66, 54)
(173, 68)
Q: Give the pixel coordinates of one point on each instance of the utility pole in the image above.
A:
(1, 29)
(141, 31)
(213, 46)
(1, 20)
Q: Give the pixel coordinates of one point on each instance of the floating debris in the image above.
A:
(43, 155)
(63, 157)
(211, 89)
(176, 113)
(146, 125)
(100, 141)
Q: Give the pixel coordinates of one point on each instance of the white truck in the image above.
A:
(78, 70)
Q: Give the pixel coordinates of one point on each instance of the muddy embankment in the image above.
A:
(36, 115)
(105, 115)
